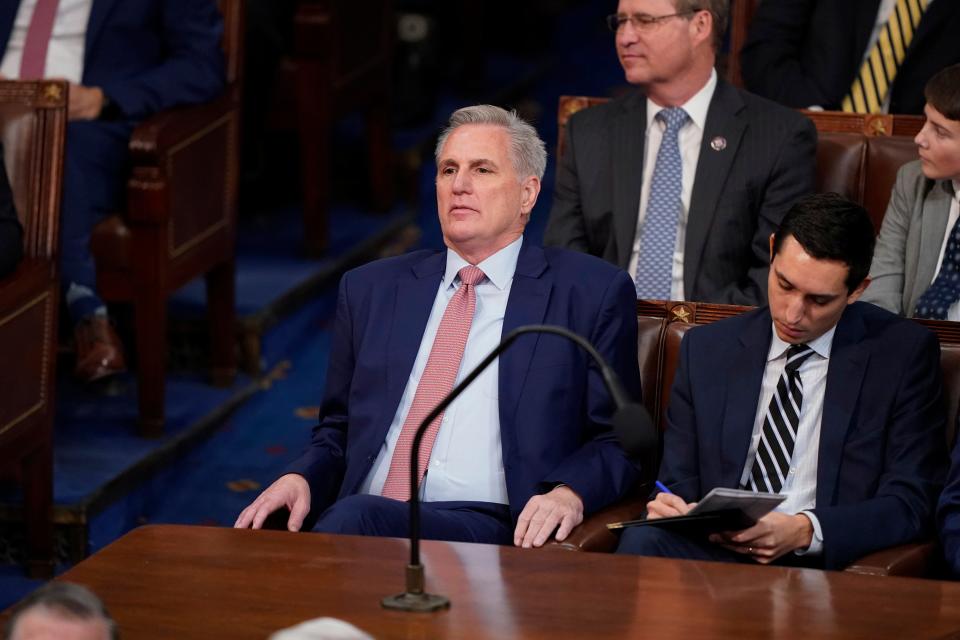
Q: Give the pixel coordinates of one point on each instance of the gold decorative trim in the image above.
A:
(23, 309)
(681, 313)
(23, 416)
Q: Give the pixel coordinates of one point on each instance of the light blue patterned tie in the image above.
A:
(945, 290)
(658, 237)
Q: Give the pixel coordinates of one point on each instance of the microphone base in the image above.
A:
(420, 602)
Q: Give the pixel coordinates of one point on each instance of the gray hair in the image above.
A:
(719, 9)
(527, 150)
(66, 600)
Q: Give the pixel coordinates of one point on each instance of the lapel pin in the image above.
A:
(718, 144)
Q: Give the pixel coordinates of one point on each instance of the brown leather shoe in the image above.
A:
(99, 350)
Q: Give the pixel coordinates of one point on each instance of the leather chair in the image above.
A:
(858, 155)
(343, 60)
(33, 128)
(180, 224)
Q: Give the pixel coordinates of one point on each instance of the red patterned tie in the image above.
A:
(437, 380)
(34, 58)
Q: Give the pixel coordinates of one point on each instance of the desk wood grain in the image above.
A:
(168, 581)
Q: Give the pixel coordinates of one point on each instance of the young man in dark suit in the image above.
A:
(834, 403)
(681, 182)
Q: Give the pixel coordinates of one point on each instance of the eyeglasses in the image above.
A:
(641, 21)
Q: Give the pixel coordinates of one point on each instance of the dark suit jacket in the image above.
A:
(807, 52)
(740, 194)
(948, 514)
(148, 55)
(554, 410)
(11, 234)
(881, 460)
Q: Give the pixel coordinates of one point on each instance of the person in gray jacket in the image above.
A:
(916, 265)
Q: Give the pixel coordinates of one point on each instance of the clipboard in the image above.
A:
(722, 509)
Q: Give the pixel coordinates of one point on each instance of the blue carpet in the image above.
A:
(213, 479)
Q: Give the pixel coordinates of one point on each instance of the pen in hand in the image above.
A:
(663, 487)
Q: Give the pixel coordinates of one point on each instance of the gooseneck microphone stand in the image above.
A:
(631, 422)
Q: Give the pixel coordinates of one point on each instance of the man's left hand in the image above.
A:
(774, 535)
(85, 103)
(543, 513)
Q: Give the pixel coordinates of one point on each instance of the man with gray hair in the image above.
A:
(528, 448)
(681, 182)
(61, 611)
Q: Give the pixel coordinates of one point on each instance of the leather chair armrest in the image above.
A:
(912, 559)
(592, 534)
(169, 130)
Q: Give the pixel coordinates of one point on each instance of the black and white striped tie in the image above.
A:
(779, 433)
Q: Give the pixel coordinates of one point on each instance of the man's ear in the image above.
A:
(856, 293)
(529, 190)
(702, 25)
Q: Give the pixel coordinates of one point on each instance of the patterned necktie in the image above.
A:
(435, 383)
(779, 433)
(34, 59)
(945, 290)
(873, 82)
(658, 235)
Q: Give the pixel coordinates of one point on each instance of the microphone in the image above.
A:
(631, 422)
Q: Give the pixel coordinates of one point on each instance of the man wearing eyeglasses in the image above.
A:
(682, 182)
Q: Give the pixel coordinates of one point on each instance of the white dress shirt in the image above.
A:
(690, 137)
(467, 459)
(67, 42)
(953, 313)
(800, 486)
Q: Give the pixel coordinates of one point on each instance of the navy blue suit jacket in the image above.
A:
(881, 459)
(948, 514)
(148, 55)
(554, 409)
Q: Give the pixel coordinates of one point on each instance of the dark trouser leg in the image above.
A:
(662, 543)
(95, 172)
(370, 515)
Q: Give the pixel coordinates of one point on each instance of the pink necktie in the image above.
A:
(34, 58)
(437, 380)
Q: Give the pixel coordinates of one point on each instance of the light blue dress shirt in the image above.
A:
(467, 460)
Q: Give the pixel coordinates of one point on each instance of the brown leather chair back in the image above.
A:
(858, 155)
(32, 129)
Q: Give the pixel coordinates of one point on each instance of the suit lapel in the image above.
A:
(98, 15)
(411, 310)
(629, 137)
(848, 362)
(933, 228)
(743, 392)
(723, 121)
(527, 304)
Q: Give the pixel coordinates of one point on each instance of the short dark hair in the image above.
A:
(943, 92)
(67, 600)
(719, 9)
(830, 227)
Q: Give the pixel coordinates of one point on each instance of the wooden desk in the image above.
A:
(170, 581)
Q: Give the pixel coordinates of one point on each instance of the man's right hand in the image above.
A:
(290, 491)
(668, 505)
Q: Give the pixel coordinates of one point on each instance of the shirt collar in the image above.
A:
(498, 268)
(696, 107)
(956, 190)
(821, 346)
